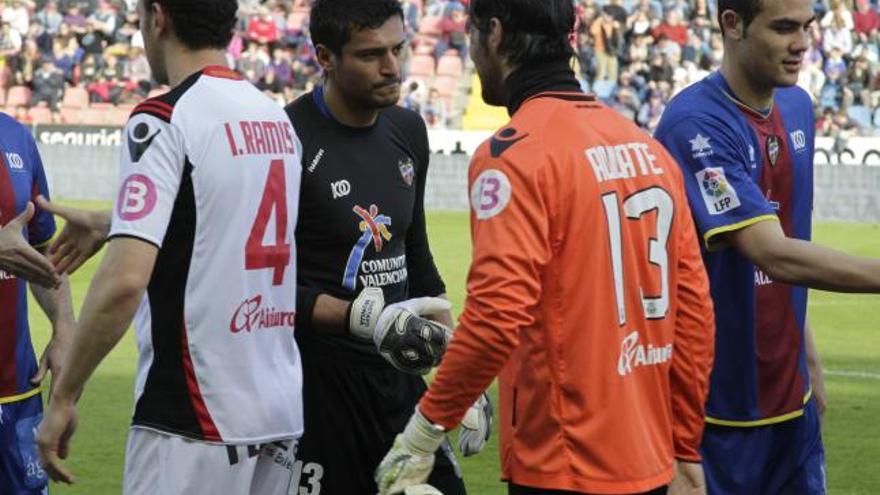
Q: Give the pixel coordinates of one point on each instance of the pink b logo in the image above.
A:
(137, 198)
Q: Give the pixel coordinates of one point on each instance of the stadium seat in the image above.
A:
(92, 116)
(446, 85)
(77, 97)
(40, 114)
(860, 114)
(424, 45)
(422, 66)
(430, 26)
(117, 116)
(71, 115)
(18, 96)
(450, 65)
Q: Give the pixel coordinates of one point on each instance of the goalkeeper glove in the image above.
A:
(412, 344)
(364, 311)
(411, 458)
(476, 427)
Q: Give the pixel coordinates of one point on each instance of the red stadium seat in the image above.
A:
(40, 115)
(446, 85)
(18, 96)
(450, 65)
(117, 116)
(157, 92)
(92, 116)
(422, 66)
(71, 115)
(77, 97)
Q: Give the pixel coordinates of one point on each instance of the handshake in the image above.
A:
(412, 344)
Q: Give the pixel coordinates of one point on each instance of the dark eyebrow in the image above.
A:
(789, 23)
(377, 50)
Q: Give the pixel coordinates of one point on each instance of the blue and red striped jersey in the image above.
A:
(22, 178)
(741, 167)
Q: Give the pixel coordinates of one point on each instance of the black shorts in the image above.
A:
(354, 406)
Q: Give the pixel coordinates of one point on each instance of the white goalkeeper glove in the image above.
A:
(411, 458)
(364, 311)
(476, 427)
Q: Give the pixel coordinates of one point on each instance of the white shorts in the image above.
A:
(159, 464)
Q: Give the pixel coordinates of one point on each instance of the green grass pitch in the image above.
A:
(846, 327)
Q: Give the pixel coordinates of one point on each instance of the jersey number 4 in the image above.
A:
(635, 207)
(258, 256)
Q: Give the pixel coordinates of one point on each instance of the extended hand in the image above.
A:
(19, 258)
(476, 427)
(83, 235)
(411, 459)
(53, 439)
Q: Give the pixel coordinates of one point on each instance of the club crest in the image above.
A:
(407, 170)
(772, 150)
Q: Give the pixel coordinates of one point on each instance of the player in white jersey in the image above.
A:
(202, 255)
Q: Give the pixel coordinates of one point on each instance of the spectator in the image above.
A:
(16, 14)
(839, 13)
(836, 34)
(252, 63)
(434, 110)
(262, 28)
(48, 85)
(651, 111)
(672, 28)
(77, 22)
(10, 42)
(866, 22)
(50, 18)
(607, 40)
(104, 20)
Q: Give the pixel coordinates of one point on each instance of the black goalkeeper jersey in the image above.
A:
(361, 214)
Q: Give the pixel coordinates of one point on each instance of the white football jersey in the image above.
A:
(211, 175)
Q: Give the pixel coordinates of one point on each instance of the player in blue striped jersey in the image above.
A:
(744, 138)
(23, 236)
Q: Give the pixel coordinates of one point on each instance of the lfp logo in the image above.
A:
(714, 183)
(374, 227)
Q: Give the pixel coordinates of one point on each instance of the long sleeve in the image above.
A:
(510, 230)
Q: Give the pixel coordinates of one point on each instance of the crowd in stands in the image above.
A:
(637, 54)
(82, 61)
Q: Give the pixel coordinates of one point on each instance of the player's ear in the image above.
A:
(732, 25)
(494, 35)
(326, 58)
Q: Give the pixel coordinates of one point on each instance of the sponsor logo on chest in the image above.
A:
(634, 354)
(251, 316)
(798, 140)
(340, 189)
(14, 160)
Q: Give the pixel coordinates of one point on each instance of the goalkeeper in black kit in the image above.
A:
(371, 312)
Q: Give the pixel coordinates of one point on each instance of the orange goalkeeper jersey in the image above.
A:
(588, 298)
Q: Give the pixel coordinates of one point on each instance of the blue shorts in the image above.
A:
(20, 469)
(778, 459)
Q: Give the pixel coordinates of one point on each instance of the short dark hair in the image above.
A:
(201, 24)
(747, 9)
(535, 31)
(333, 21)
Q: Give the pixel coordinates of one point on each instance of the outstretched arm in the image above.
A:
(19, 258)
(85, 232)
(797, 262)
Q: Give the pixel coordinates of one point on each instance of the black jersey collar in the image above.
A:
(525, 82)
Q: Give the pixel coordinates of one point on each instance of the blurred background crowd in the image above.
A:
(82, 61)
